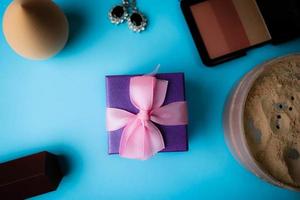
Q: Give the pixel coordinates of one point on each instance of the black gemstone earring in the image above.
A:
(119, 13)
(137, 22)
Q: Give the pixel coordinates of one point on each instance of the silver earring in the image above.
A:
(137, 22)
(119, 13)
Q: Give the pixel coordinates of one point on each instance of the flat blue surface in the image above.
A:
(59, 105)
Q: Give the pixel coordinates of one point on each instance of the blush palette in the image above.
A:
(226, 29)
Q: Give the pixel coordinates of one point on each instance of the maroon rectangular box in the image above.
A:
(29, 176)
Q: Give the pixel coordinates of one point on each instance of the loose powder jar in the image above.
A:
(262, 121)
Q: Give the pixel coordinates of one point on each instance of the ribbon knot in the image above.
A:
(140, 138)
(144, 115)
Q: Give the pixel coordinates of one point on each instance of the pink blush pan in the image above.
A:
(219, 25)
(211, 31)
(225, 29)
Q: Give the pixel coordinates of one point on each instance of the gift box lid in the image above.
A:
(117, 96)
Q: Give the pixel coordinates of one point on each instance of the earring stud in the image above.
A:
(118, 14)
(137, 22)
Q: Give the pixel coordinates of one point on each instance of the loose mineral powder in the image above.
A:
(272, 120)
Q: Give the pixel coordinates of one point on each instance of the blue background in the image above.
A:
(59, 105)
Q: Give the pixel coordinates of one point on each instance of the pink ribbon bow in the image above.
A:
(140, 138)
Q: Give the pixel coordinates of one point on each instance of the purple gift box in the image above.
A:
(117, 96)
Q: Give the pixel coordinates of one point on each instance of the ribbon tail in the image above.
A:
(117, 118)
(140, 140)
(154, 141)
(155, 71)
(171, 115)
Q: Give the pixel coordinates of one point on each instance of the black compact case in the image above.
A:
(282, 19)
(199, 42)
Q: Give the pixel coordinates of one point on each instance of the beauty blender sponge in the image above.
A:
(35, 29)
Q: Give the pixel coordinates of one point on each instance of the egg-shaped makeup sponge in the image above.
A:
(35, 29)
